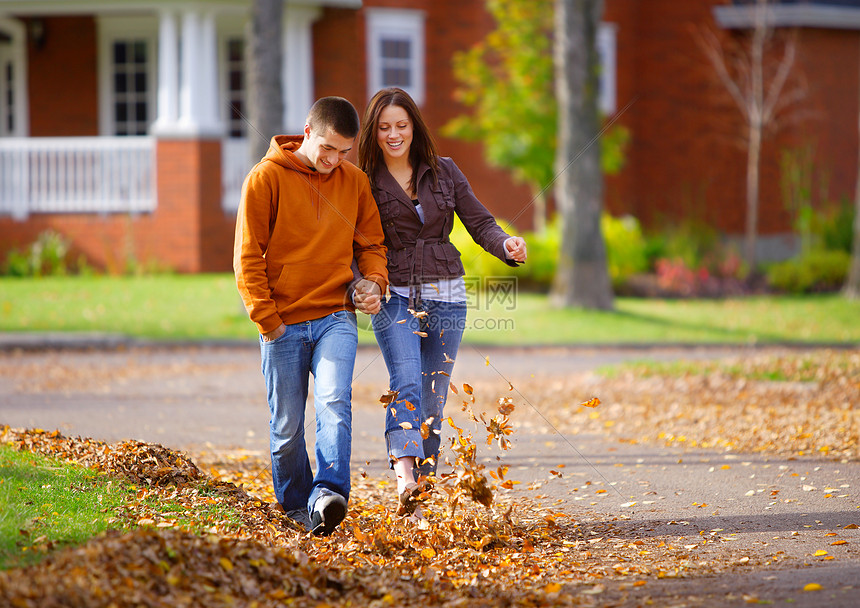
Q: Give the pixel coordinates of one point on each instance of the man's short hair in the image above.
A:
(335, 114)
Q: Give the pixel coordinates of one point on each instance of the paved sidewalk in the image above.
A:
(212, 397)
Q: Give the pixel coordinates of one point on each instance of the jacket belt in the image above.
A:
(415, 279)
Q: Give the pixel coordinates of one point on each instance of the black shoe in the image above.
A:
(300, 518)
(329, 511)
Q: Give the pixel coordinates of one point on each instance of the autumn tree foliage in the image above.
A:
(508, 80)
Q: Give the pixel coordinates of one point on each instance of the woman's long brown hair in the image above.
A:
(422, 149)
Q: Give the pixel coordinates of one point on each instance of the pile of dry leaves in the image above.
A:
(504, 553)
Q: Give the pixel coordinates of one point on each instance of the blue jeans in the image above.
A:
(420, 371)
(325, 348)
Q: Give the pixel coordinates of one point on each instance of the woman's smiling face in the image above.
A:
(394, 133)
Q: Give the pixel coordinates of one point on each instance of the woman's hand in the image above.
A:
(515, 249)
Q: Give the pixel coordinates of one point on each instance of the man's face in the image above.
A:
(325, 151)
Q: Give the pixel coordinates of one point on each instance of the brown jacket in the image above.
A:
(418, 252)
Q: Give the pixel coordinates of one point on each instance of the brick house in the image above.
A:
(121, 125)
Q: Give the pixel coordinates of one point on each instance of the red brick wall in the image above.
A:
(674, 162)
(190, 232)
(828, 117)
(687, 157)
(62, 78)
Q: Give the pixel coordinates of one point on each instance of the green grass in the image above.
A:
(196, 307)
(45, 504)
(810, 319)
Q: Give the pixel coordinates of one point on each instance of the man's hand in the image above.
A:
(275, 333)
(368, 297)
(515, 249)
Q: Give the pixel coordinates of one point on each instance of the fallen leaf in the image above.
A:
(812, 587)
(593, 402)
(389, 397)
(819, 553)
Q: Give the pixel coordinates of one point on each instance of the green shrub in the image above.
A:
(690, 241)
(538, 271)
(818, 270)
(46, 256)
(626, 248)
(834, 230)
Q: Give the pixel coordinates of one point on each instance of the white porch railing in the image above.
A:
(97, 175)
(77, 175)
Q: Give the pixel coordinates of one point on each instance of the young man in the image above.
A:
(305, 214)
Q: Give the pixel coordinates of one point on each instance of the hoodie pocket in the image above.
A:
(313, 284)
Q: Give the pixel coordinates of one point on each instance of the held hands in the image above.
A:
(367, 297)
(515, 249)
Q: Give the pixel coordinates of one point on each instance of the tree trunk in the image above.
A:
(582, 276)
(264, 57)
(753, 163)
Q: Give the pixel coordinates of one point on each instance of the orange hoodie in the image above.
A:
(297, 232)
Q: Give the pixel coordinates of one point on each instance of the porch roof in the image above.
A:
(88, 7)
(812, 15)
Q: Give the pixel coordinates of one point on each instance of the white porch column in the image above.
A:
(168, 75)
(198, 89)
(298, 66)
(210, 121)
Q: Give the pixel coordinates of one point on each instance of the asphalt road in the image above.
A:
(200, 398)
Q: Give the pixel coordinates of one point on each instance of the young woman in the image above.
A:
(420, 326)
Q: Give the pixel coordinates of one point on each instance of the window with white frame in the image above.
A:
(13, 89)
(234, 80)
(7, 89)
(395, 51)
(606, 49)
(127, 58)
